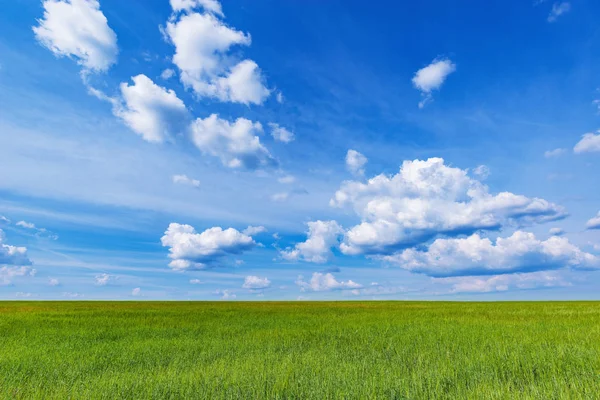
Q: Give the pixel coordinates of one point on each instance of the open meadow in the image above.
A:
(300, 350)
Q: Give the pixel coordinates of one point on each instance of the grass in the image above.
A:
(299, 350)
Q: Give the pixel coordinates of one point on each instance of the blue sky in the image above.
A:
(256, 150)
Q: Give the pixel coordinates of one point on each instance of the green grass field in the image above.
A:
(299, 350)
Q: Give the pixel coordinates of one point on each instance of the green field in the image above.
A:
(299, 350)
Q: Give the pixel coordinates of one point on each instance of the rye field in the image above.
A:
(299, 350)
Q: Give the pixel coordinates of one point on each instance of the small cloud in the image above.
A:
(72, 295)
(167, 74)
(4, 220)
(185, 180)
(556, 232)
(281, 134)
(558, 9)
(288, 179)
(254, 230)
(256, 283)
(225, 294)
(279, 197)
(279, 97)
(594, 223)
(136, 292)
(53, 282)
(589, 143)
(196, 281)
(325, 282)
(482, 172)
(26, 225)
(355, 162)
(431, 78)
(554, 153)
(103, 279)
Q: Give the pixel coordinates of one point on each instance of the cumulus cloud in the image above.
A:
(426, 199)
(256, 283)
(432, 77)
(136, 291)
(167, 74)
(280, 134)
(558, 9)
(355, 162)
(236, 144)
(25, 224)
(556, 231)
(186, 180)
(151, 111)
(103, 279)
(589, 143)
(321, 282)
(202, 54)
(8, 273)
(12, 255)
(475, 255)
(322, 236)
(78, 29)
(554, 153)
(191, 250)
(594, 223)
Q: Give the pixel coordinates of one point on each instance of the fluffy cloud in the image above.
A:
(426, 199)
(254, 230)
(185, 180)
(558, 9)
(502, 283)
(554, 153)
(167, 74)
(256, 283)
(280, 134)
(153, 112)
(594, 223)
(321, 237)
(191, 250)
(8, 273)
(136, 291)
(12, 255)
(102, 279)
(589, 143)
(78, 29)
(325, 282)
(556, 231)
(25, 224)
(475, 255)
(431, 78)
(202, 43)
(212, 6)
(355, 162)
(237, 144)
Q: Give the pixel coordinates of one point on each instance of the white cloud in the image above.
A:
(102, 279)
(78, 29)
(225, 294)
(426, 199)
(196, 281)
(280, 197)
(8, 273)
(72, 295)
(191, 250)
(502, 283)
(153, 112)
(185, 180)
(321, 237)
(202, 43)
(475, 255)
(236, 144)
(589, 143)
(432, 77)
(4, 220)
(325, 282)
(26, 225)
(212, 6)
(594, 223)
(280, 134)
(136, 291)
(482, 172)
(12, 255)
(167, 74)
(556, 231)
(256, 283)
(355, 162)
(558, 9)
(53, 282)
(554, 153)
(254, 230)
(288, 179)
(279, 97)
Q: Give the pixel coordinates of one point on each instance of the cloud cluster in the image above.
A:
(502, 283)
(12, 255)
(256, 283)
(78, 29)
(474, 255)
(322, 236)
(426, 199)
(203, 44)
(8, 273)
(320, 282)
(236, 144)
(432, 77)
(191, 250)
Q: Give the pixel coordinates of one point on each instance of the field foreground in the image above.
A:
(300, 350)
